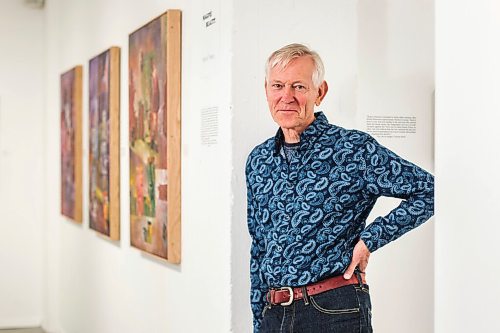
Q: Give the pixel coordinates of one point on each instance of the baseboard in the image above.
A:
(21, 322)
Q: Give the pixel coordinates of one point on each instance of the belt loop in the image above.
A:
(305, 295)
(269, 298)
(358, 275)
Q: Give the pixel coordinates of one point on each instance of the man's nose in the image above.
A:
(288, 94)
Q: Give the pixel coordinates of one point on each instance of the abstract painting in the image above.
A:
(155, 136)
(104, 138)
(71, 144)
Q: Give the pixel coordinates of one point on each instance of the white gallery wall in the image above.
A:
(379, 60)
(99, 286)
(21, 163)
(467, 166)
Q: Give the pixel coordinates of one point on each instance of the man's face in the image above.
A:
(291, 95)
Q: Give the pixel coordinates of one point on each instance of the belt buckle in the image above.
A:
(290, 291)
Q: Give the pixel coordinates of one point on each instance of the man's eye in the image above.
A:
(277, 86)
(299, 87)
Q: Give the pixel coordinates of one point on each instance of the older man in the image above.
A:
(310, 189)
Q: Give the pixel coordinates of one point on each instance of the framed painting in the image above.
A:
(155, 136)
(104, 143)
(71, 144)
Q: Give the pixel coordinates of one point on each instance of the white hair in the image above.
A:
(286, 54)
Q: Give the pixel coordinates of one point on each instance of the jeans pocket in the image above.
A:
(336, 302)
(332, 311)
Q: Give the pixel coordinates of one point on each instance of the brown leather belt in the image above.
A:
(286, 295)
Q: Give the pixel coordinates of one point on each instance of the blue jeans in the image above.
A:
(342, 310)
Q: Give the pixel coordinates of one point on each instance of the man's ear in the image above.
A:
(322, 90)
(265, 86)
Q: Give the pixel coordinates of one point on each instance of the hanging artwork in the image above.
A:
(71, 144)
(104, 140)
(155, 136)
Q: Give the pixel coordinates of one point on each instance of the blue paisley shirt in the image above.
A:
(306, 213)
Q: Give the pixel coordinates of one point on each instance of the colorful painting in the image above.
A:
(154, 136)
(104, 137)
(71, 144)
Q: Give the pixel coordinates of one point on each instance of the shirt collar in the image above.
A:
(311, 132)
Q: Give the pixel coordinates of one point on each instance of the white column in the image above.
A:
(467, 166)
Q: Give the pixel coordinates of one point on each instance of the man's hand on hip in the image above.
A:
(360, 257)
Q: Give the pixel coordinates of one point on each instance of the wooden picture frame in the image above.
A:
(71, 143)
(104, 143)
(155, 136)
